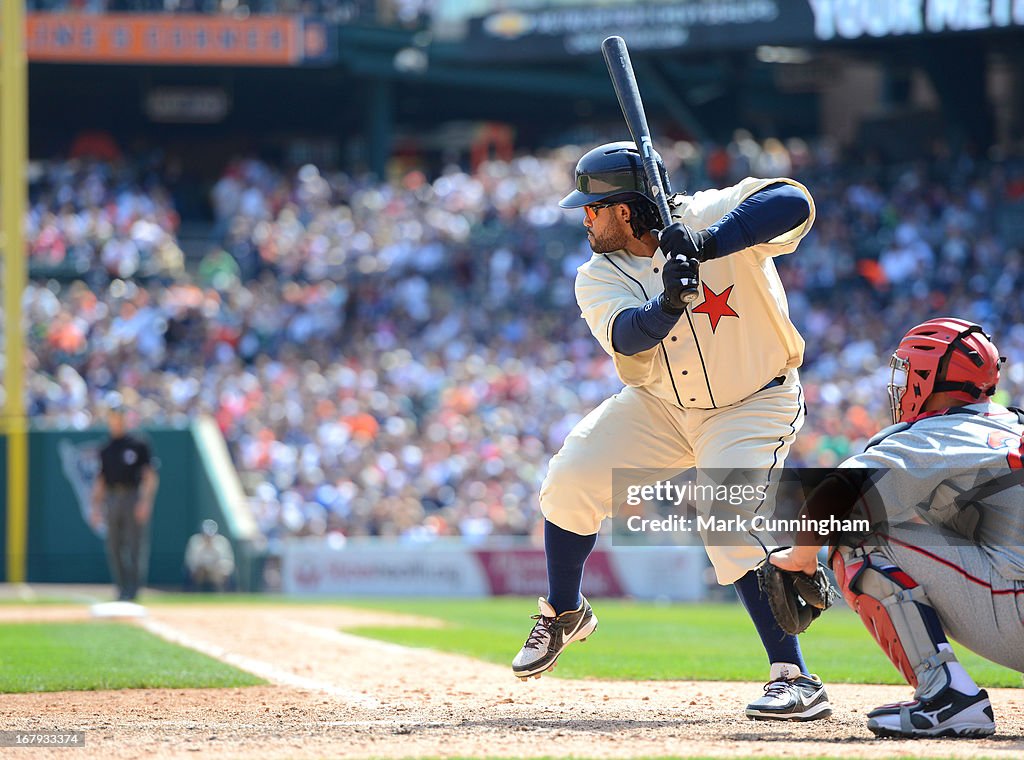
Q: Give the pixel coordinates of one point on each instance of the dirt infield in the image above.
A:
(335, 694)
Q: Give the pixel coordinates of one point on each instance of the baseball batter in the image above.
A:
(946, 551)
(710, 384)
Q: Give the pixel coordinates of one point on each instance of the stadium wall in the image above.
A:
(298, 89)
(317, 566)
(64, 548)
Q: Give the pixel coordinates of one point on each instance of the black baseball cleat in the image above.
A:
(797, 698)
(550, 635)
(949, 713)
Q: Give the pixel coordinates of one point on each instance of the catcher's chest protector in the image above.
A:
(893, 607)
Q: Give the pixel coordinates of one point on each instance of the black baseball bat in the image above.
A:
(620, 69)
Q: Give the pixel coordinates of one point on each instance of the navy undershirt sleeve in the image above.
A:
(641, 328)
(763, 216)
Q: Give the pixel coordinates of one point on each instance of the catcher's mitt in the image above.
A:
(796, 599)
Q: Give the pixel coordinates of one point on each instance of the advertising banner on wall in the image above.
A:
(183, 40)
(316, 567)
(311, 566)
(570, 27)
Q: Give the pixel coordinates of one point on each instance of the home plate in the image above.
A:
(117, 610)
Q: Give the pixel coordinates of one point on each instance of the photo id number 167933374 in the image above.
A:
(42, 738)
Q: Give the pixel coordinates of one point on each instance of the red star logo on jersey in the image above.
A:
(716, 305)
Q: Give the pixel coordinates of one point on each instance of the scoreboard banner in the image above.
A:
(185, 40)
(569, 27)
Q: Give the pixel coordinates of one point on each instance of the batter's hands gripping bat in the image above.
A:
(620, 69)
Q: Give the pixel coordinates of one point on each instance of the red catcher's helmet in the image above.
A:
(970, 373)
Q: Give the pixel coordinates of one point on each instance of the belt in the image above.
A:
(775, 381)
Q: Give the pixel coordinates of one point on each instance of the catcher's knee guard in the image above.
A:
(898, 615)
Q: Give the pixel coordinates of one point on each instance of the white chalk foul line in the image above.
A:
(259, 668)
(337, 637)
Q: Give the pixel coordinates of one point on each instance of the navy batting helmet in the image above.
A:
(609, 171)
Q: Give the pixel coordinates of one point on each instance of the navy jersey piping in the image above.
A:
(661, 344)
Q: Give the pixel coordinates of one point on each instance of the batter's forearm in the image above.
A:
(637, 330)
(763, 216)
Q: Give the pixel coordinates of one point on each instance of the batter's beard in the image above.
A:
(608, 243)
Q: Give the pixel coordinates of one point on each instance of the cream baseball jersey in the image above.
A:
(735, 338)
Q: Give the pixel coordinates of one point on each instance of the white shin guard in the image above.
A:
(891, 604)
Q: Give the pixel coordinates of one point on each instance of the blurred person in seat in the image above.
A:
(209, 560)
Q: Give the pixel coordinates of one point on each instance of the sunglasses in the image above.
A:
(591, 209)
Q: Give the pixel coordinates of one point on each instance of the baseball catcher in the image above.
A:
(944, 554)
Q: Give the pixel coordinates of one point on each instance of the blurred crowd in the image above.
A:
(101, 219)
(403, 358)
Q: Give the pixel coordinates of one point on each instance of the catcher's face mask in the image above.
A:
(897, 384)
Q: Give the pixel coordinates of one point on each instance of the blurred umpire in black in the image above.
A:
(123, 498)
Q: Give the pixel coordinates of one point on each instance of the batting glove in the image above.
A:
(679, 240)
(680, 277)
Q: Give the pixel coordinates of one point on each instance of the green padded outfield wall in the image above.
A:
(63, 548)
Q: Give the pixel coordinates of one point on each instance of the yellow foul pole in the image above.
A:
(13, 159)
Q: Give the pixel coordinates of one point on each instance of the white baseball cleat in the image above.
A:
(550, 635)
(791, 695)
(949, 713)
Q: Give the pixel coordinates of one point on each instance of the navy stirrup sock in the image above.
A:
(780, 646)
(566, 554)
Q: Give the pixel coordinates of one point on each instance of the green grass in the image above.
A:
(639, 640)
(100, 655)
